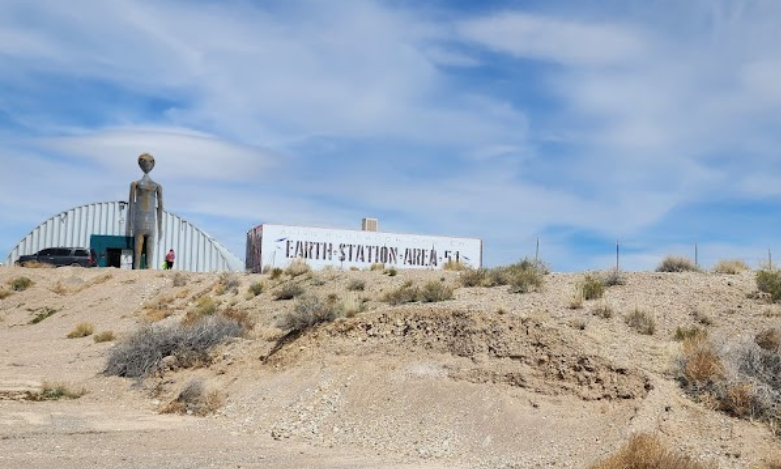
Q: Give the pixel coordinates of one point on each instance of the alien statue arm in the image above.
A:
(159, 212)
(131, 211)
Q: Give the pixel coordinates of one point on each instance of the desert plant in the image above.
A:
(454, 265)
(769, 281)
(644, 451)
(227, 283)
(179, 280)
(276, 273)
(677, 264)
(434, 291)
(54, 392)
(472, 277)
(641, 321)
(297, 268)
(43, 313)
(82, 329)
(206, 306)
(105, 336)
(377, 267)
(391, 272)
(242, 317)
(309, 311)
(769, 339)
(20, 283)
(288, 291)
(522, 277)
(356, 285)
(142, 353)
(730, 266)
(592, 287)
(4, 293)
(194, 399)
(406, 293)
(614, 278)
(689, 332)
(576, 300)
(256, 288)
(603, 310)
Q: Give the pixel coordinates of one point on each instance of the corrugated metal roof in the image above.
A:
(196, 251)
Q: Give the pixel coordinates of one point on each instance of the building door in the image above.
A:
(114, 257)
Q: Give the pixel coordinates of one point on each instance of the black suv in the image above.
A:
(81, 257)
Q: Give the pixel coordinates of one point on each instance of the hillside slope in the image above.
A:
(488, 379)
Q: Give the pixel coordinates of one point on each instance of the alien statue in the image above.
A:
(146, 211)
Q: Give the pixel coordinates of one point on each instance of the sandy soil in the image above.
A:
(489, 379)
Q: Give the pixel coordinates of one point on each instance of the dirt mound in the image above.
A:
(518, 351)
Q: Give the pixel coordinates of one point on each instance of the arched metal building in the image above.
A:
(195, 250)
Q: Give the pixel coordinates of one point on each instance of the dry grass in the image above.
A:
(377, 267)
(288, 291)
(576, 300)
(356, 285)
(456, 266)
(59, 289)
(677, 264)
(4, 293)
(473, 277)
(730, 266)
(54, 392)
(309, 311)
(433, 291)
(689, 332)
(255, 289)
(769, 339)
(104, 336)
(82, 329)
(38, 265)
(641, 321)
(20, 283)
(179, 280)
(592, 287)
(603, 310)
(195, 399)
(42, 314)
(297, 268)
(769, 282)
(227, 283)
(700, 364)
(645, 451)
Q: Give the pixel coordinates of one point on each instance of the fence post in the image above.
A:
(696, 256)
(617, 256)
(537, 252)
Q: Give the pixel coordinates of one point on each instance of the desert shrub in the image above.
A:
(228, 283)
(356, 285)
(43, 313)
(645, 451)
(406, 293)
(434, 291)
(641, 321)
(4, 293)
(702, 317)
(576, 300)
(592, 287)
(38, 265)
(256, 288)
(141, 353)
(206, 306)
(377, 267)
(54, 392)
(318, 281)
(240, 316)
(276, 273)
(769, 339)
(194, 399)
(614, 278)
(179, 280)
(59, 289)
(454, 265)
(522, 277)
(688, 332)
(391, 272)
(472, 277)
(677, 264)
(82, 329)
(105, 336)
(603, 310)
(309, 311)
(20, 283)
(769, 281)
(297, 268)
(289, 291)
(730, 266)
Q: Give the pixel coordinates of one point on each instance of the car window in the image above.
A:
(46, 252)
(61, 252)
(81, 253)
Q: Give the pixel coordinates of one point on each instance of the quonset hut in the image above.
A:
(102, 227)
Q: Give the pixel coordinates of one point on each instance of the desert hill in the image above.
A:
(487, 379)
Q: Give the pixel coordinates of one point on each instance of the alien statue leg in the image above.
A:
(139, 248)
(150, 251)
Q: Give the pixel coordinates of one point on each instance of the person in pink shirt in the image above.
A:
(169, 259)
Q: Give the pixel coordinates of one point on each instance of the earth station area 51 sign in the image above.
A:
(278, 245)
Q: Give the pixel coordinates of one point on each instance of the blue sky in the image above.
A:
(579, 122)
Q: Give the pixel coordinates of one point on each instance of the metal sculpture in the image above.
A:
(145, 215)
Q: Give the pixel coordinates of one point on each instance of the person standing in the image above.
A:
(169, 259)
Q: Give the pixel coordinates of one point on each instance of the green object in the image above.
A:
(109, 249)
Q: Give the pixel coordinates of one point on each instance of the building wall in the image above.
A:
(195, 250)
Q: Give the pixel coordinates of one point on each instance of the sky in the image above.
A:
(579, 123)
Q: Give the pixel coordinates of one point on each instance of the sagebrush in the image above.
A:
(677, 264)
(644, 451)
(309, 311)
